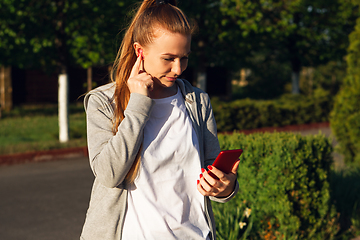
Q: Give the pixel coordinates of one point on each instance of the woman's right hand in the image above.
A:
(140, 81)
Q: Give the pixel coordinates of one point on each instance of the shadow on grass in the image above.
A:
(345, 194)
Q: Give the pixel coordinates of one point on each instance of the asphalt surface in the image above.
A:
(44, 200)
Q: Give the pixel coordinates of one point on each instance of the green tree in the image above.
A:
(213, 44)
(345, 117)
(53, 34)
(298, 32)
(58, 34)
(14, 46)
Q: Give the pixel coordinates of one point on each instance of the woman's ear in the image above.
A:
(138, 49)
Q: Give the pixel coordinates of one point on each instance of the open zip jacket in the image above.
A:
(111, 156)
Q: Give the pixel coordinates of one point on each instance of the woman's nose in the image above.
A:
(176, 68)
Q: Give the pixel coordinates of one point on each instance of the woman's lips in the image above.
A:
(171, 78)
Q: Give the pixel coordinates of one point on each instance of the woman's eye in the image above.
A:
(173, 59)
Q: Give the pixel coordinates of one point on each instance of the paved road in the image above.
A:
(45, 200)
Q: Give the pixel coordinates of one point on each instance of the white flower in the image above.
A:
(242, 224)
(247, 212)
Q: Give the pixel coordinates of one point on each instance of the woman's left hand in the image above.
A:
(222, 187)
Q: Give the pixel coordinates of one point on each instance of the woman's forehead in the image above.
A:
(168, 42)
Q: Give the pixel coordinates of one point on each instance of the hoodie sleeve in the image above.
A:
(211, 143)
(111, 156)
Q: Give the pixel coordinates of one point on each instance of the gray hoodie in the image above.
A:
(111, 156)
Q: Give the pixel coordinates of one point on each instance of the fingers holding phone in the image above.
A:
(220, 180)
(217, 183)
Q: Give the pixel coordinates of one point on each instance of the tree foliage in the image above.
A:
(345, 118)
(57, 34)
(14, 45)
(231, 33)
(51, 33)
(214, 44)
(298, 32)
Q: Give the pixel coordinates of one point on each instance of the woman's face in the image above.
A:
(166, 57)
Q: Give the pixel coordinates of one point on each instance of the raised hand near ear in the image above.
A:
(140, 81)
(222, 187)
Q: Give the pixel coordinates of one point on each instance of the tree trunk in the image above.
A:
(5, 89)
(201, 78)
(295, 76)
(63, 107)
(311, 82)
(89, 79)
(63, 96)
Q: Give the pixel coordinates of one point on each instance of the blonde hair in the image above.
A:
(148, 17)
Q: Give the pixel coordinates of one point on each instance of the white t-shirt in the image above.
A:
(163, 202)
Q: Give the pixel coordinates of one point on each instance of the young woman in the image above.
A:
(150, 135)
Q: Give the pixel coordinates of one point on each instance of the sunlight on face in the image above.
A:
(166, 57)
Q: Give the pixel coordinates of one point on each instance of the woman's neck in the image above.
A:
(163, 92)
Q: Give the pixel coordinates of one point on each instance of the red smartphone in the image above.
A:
(226, 160)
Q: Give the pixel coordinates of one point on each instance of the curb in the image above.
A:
(41, 156)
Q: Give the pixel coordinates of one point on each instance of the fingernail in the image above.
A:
(210, 167)
(200, 175)
(203, 170)
(197, 182)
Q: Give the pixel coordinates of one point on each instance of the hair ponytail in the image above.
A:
(148, 16)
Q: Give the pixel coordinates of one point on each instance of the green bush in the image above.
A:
(287, 110)
(284, 180)
(345, 118)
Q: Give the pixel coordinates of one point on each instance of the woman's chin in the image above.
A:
(165, 82)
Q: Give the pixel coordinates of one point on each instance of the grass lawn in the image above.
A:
(30, 129)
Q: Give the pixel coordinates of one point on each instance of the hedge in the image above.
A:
(288, 110)
(284, 188)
